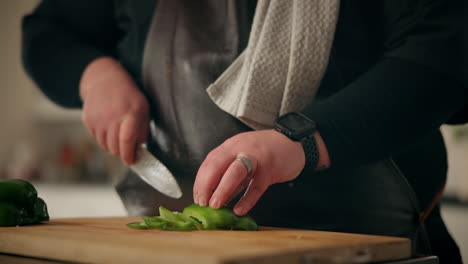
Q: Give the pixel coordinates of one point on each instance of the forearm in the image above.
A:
(60, 38)
(385, 110)
(56, 64)
(104, 70)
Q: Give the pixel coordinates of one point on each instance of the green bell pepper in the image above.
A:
(40, 210)
(11, 215)
(17, 191)
(19, 204)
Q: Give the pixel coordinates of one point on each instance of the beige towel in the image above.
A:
(281, 68)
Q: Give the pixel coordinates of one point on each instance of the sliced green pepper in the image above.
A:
(178, 226)
(168, 220)
(168, 215)
(178, 217)
(246, 223)
(175, 220)
(192, 220)
(211, 218)
(196, 217)
(154, 222)
(138, 225)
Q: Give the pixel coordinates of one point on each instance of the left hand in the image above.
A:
(275, 158)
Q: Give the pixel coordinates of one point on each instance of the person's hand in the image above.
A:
(274, 157)
(115, 111)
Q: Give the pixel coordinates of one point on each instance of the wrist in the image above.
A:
(324, 161)
(98, 71)
(300, 128)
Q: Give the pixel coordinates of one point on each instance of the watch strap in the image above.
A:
(311, 151)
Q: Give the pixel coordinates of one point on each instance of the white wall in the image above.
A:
(16, 91)
(457, 148)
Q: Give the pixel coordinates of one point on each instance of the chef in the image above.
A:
(317, 114)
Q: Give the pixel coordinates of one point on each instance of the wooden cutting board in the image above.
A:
(108, 240)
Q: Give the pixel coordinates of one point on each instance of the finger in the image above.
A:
(127, 139)
(230, 182)
(244, 184)
(88, 126)
(102, 138)
(255, 190)
(209, 174)
(113, 139)
(143, 132)
(93, 133)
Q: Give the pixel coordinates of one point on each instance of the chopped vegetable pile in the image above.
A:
(195, 217)
(19, 204)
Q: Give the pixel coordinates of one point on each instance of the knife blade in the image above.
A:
(155, 173)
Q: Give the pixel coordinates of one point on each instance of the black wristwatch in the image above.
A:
(299, 127)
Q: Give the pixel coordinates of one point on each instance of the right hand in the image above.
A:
(115, 111)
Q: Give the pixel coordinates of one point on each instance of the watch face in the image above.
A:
(294, 122)
(297, 125)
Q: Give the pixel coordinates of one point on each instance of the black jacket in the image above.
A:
(401, 65)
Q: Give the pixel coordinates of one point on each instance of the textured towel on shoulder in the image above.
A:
(281, 68)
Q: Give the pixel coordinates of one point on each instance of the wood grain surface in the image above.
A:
(108, 240)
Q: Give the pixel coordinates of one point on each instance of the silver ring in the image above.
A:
(246, 162)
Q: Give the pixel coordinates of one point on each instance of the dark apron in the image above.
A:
(187, 49)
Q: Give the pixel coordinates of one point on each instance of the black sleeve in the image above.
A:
(60, 38)
(416, 87)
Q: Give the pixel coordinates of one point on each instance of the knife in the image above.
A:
(155, 173)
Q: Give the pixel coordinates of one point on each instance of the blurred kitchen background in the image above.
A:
(49, 146)
(45, 144)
